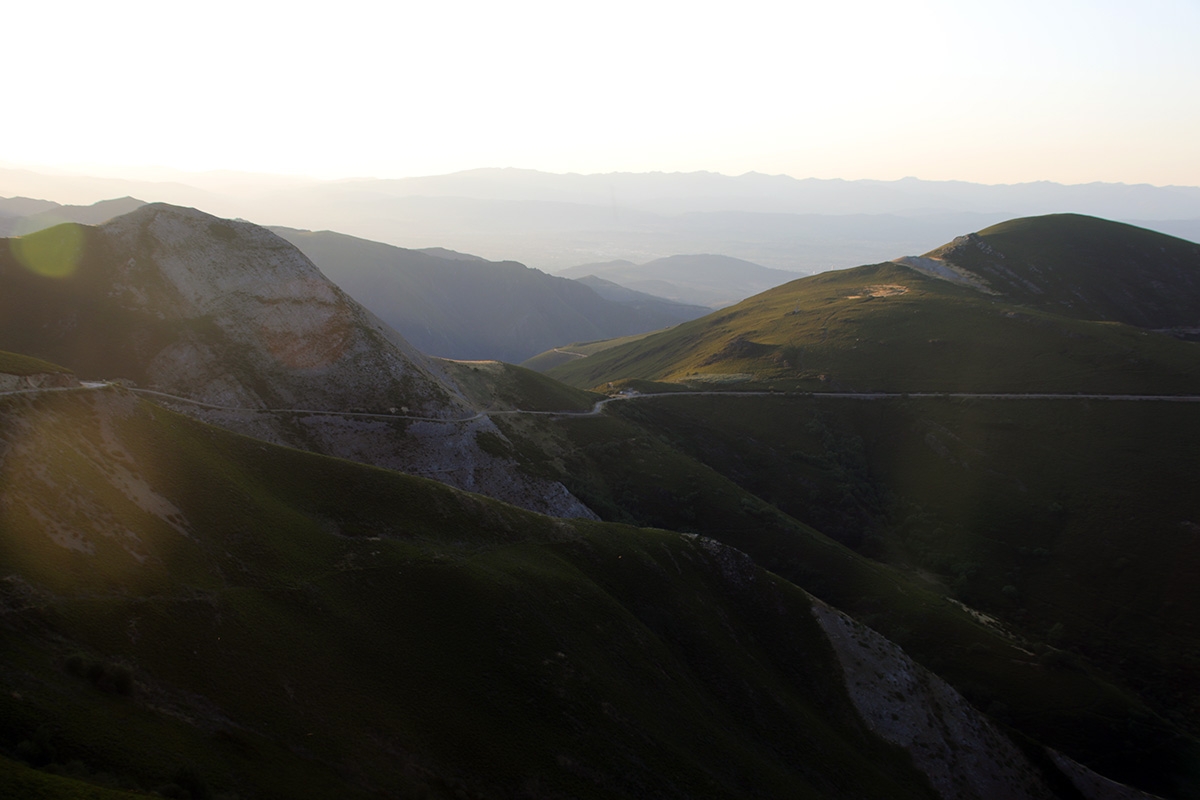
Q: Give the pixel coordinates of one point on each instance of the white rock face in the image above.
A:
(259, 324)
(964, 756)
(38, 380)
(961, 752)
(256, 326)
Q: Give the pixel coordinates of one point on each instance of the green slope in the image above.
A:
(498, 386)
(569, 352)
(1072, 520)
(16, 364)
(747, 469)
(887, 327)
(185, 605)
(21, 782)
(1088, 268)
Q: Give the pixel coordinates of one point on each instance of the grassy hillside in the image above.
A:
(1088, 268)
(747, 470)
(1073, 521)
(543, 362)
(158, 578)
(242, 620)
(887, 327)
(15, 364)
(497, 386)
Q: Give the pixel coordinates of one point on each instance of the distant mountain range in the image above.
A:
(20, 215)
(705, 280)
(553, 221)
(457, 306)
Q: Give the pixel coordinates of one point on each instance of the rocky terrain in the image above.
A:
(226, 313)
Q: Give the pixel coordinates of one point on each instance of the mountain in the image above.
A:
(38, 215)
(1061, 507)
(467, 308)
(707, 280)
(1018, 572)
(1028, 552)
(19, 372)
(920, 325)
(14, 209)
(160, 625)
(1087, 268)
(237, 321)
(676, 193)
(552, 222)
(24, 206)
(641, 300)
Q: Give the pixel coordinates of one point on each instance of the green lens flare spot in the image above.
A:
(52, 253)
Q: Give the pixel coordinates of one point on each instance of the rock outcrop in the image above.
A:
(38, 380)
(960, 751)
(227, 314)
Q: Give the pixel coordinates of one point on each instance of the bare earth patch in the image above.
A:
(879, 290)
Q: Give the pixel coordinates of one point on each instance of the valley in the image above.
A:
(868, 533)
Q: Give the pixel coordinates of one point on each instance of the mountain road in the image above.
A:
(599, 405)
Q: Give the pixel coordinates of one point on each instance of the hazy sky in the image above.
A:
(982, 91)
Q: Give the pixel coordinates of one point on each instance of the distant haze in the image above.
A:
(1073, 91)
(554, 222)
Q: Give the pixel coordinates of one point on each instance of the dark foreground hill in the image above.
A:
(212, 615)
(1070, 519)
(475, 309)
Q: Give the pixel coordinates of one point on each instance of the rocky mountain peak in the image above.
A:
(261, 325)
(243, 331)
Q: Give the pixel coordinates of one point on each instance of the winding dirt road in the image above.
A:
(599, 405)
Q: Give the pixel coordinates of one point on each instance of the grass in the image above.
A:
(1088, 268)
(14, 364)
(827, 333)
(498, 386)
(569, 352)
(887, 478)
(18, 780)
(298, 626)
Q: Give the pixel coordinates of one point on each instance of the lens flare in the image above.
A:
(51, 253)
(81, 506)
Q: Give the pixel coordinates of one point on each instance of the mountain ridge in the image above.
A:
(555, 221)
(469, 308)
(230, 314)
(1086, 267)
(890, 326)
(702, 279)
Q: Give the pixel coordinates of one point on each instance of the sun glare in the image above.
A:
(52, 253)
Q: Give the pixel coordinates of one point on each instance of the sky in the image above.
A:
(989, 92)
